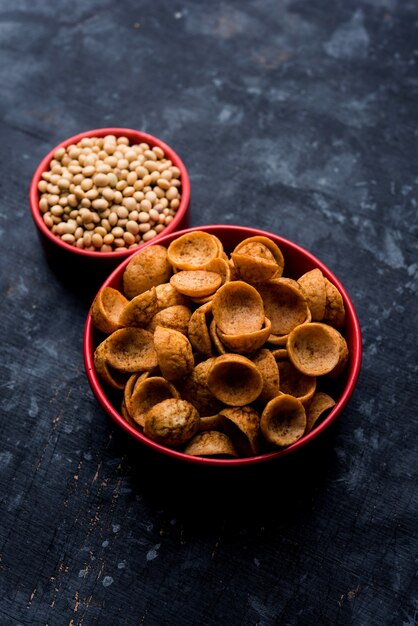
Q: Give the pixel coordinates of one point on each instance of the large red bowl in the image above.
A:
(297, 262)
(63, 253)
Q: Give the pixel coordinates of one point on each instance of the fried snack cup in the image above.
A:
(140, 310)
(111, 376)
(195, 390)
(198, 330)
(106, 309)
(149, 268)
(193, 251)
(130, 350)
(221, 267)
(129, 389)
(211, 443)
(316, 349)
(174, 353)
(197, 283)
(147, 393)
(176, 317)
(267, 366)
(284, 305)
(334, 307)
(294, 383)
(234, 380)
(313, 287)
(171, 422)
(242, 425)
(257, 259)
(167, 296)
(321, 402)
(218, 345)
(283, 420)
(238, 308)
(246, 343)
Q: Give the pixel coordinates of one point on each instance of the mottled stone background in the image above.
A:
(299, 117)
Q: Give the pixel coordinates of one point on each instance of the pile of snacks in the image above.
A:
(220, 356)
(103, 194)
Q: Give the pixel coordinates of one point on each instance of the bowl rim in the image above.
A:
(356, 358)
(131, 133)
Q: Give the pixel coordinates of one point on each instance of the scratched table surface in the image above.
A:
(298, 117)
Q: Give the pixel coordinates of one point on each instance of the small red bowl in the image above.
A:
(297, 262)
(63, 253)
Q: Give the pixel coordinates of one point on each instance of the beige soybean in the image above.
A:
(104, 183)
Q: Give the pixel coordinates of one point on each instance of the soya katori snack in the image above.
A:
(220, 356)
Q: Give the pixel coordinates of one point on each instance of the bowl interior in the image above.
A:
(297, 262)
(180, 219)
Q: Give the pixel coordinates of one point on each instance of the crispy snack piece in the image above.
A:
(246, 343)
(315, 349)
(131, 350)
(242, 425)
(196, 391)
(176, 317)
(211, 443)
(106, 309)
(267, 366)
(254, 262)
(234, 380)
(284, 305)
(258, 259)
(193, 251)
(212, 422)
(238, 308)
(198, 330)
(171, 422)
(129, 389)
(140, 310)
(167, 296)
(147, 394)
(321, 402)
(196, 284)
(125, 414)
(219, 266)
(294, 383)
(174, 353)
(280, 354)
(213, 331)
(313, 286)
(283, 420)
(148, 268)
(334, 308)
(110, 376)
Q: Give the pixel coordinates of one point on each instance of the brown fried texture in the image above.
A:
(314, 349)
(147, 394)
(176, 317)
(140, 310)
(106, 309)
(267, 366)
(321, 402)
(193, 251)
(211, 443)
(148, 268)
(174, 353)
(238, 308)
(283, 420)
(131, 350)
(284, 305)
(242, 425)
(196, 284)
(234, 380)
(294, 383)
(171, 422)
(313, 286)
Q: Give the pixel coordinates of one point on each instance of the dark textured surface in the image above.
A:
(297, 117)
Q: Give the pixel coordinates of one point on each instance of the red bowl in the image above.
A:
(63, 253)
(297, 262)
